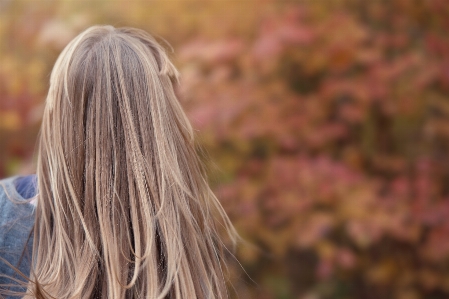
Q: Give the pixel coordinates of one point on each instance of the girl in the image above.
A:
(123, 209)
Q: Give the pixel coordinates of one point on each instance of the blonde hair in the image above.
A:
(124, 209)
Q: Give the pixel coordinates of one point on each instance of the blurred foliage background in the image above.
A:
(326, 123)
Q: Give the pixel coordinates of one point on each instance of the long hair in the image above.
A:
(124, 209)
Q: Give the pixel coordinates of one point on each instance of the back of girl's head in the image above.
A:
(124, 210)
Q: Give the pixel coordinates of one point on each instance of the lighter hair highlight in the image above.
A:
(124, 208)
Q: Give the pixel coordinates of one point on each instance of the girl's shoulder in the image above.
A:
(16, 225)
(17, 191)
